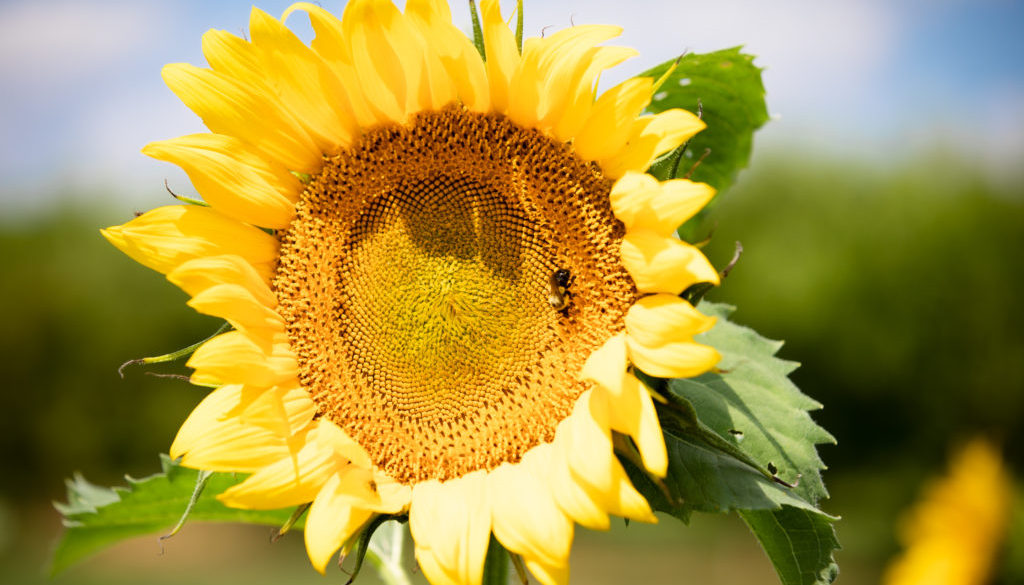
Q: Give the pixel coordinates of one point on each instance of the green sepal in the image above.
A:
(174, 355)
(202, 478)
(478, 33)
(364, 543)
(496, 564)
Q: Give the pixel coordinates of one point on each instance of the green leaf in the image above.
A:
(728, 87)
(753, 405)
(96, 517)
(729, 433)
(799, 543)
(703, 478)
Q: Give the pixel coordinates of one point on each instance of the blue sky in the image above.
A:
(872, 79)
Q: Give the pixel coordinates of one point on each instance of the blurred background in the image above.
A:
(882, 220)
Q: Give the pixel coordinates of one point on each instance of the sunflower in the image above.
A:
(954, 533)
(442, 273)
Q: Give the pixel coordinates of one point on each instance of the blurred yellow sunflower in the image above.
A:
(441, 272)
(954, 533)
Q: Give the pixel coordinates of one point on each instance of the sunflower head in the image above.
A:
(442, 274)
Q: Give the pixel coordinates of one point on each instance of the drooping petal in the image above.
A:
(629, 408)
(332, 520)
(643, 203)
(587, 481)
(233, 177)
(291, 481)
(213, 439)
(664, 264)
(527, 520)
(451, 525)
(167, 237)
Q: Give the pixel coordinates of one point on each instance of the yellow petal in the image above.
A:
(331, 437)
(549, 574)
(233, 178)
(573, 498)
(387, 58)
(235, 358)
(586, 443)
(237, 306)
(650, 137)
(167, 237)
(234, 56)
(608, 128)
(679, 359)
(663, 318)
(228, 107)
(646, 430)
(502, 54)
(526, 518)
(462, 64)
(550, 74)
(213, 439)
(331, 44)
(451, 526)
(199, 274)
(606, 365)
(630, 411)
(304, 83)
(580, 101)
(643, 203)
(288, 482)
(664, 264)
(332, 520)
(283, 410)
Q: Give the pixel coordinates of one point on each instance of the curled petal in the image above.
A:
(641, 202)
(664, 264)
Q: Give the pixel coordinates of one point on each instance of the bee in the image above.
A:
(558, 289)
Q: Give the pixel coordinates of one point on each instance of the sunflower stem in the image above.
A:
(496, 564)
(386, 554)
(478, 33)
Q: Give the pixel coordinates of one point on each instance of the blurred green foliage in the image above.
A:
(899, 292)
(74, 310)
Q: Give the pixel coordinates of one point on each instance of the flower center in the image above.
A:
(418, 284)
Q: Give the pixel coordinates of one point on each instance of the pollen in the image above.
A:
(415, 282)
